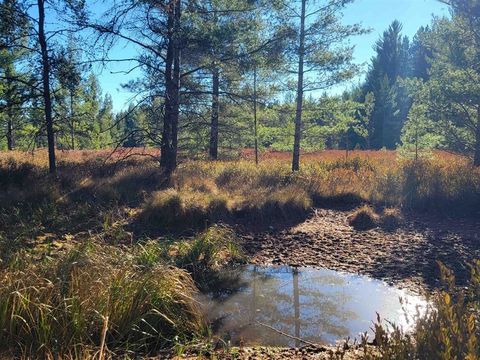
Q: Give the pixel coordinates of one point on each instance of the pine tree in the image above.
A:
(321, 57)
(13, 37)
(454, 90)
(391, 62)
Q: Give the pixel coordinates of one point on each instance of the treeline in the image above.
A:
(222, 75)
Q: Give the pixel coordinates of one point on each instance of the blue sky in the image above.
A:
(374, 14)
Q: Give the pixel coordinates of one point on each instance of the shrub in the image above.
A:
(364, 218)
(447, 330)
(391, 218)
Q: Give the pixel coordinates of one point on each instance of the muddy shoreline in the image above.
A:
(406, 257)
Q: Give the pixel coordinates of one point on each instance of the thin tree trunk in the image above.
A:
(72, 122)
(9, 97)
(213, 149)
(46, 87)
(255, 112)
(166, 141)
(347, 146)
(176, 81)
(10, 140)
(168, 156)
(416, 143)
(298, 115)
(476, 160)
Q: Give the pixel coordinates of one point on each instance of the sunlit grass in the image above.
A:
(95, 295)
(149, 242)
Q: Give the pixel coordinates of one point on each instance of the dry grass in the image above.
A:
(448, 330)
(91, 187)
(54, 305)
(93, 294)
(364, 218)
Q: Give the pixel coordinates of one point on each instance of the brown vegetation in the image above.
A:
(97, 201)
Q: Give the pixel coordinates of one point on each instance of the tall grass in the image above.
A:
(91, 296)
(448, 330)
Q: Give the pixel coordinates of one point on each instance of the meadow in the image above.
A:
(105, 258)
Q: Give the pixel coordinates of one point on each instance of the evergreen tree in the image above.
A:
(420, 54)
(15, 84)
(320, 50)
(390, 63)
(69, 75)
(454, 90)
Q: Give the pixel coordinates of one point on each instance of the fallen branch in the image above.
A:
(290, 336)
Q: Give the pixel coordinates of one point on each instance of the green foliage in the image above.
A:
(453, 91)
(419, 134)
(209, 250)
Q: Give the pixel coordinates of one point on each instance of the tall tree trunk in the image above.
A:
(255, 112)
(46, 87)
(10, 140)
(476, 160)
(72, 123)
(165, 148)
(168, 156)
(10, 93)
(298, 115)
(213, 149)
(176, 81)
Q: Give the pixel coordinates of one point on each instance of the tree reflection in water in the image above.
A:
(320, 306)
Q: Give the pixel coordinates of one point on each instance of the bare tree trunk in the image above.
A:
(176, 80)
(169, 144)
(476, 160)
(46, 87)
(347, 146)
(10, 140)
(72, 122)
(255, 112)
(298, 115)
(213, 149)
(416, 143)
(165, 148)
(9, 96)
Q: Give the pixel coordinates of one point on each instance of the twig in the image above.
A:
(104, 335)
(289, 336)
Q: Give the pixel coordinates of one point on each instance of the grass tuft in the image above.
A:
(57, 306)
(364, 218)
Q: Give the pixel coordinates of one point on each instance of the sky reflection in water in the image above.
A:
(321, 306)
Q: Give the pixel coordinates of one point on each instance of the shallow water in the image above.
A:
(320, 306)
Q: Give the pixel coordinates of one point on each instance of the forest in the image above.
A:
(260, 194)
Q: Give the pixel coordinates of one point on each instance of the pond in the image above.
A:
(271, 306)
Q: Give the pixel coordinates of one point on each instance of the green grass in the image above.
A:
(63, 305)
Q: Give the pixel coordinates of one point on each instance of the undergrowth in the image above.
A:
(149, 242)
(448, 330)
(94, 298)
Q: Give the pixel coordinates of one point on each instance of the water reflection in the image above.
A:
(320, 306)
